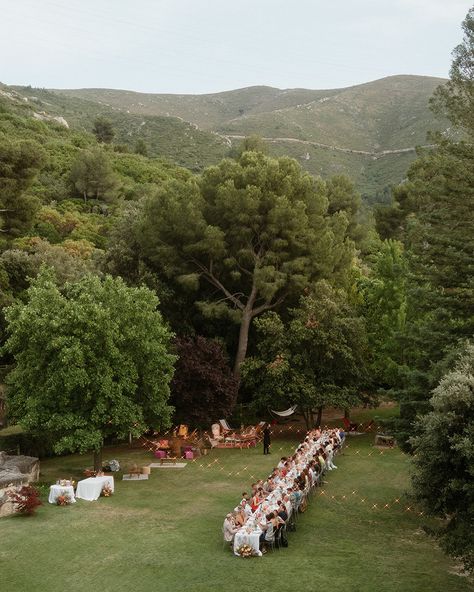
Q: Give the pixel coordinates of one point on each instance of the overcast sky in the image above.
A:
(198, 46)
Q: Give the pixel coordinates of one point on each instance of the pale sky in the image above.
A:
(199, 46)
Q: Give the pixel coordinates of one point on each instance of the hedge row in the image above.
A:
(14, 440)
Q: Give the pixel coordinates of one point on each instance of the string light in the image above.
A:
(151, 446)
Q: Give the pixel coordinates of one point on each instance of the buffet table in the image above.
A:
(90, 489)
(56, 490)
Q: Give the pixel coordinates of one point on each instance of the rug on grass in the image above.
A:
(134, 477)
(168, 465)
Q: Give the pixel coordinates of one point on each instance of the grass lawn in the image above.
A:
(164, 534)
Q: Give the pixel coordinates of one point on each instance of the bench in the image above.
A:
(168, 459)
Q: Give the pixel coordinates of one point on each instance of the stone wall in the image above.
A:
(15, 471)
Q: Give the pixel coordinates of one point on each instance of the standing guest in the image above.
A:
(266, 439)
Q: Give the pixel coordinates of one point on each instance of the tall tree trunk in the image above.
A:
(243, 340)
(320, 416)
(307, 419)
(347, 412)
(98, 459)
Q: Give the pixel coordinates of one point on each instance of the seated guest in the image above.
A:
(287, 502)
(246, 507)
(268, 529)
(282, 462)
(229, 528)
(269, 485)
(257, 499)
(245, 496)
(240, 517)
(281, 511)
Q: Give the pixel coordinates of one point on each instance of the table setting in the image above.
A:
(249, 535)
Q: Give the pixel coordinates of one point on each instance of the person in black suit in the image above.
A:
(266, 439)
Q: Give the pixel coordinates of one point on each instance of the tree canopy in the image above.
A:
(444, 479)
(316, 359)
(203, 388)
(19, 164)
(455, 99)
(103, 130)
(91, 361)
(255, 232)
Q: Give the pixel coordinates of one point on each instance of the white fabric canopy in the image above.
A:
(285, 413)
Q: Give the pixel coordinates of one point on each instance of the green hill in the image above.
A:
(368, 131)
(169, 137)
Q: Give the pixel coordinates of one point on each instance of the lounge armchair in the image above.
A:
(348, 425)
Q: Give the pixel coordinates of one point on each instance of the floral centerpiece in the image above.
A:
(245, 551)
(106, 490)
(112, 465)
(63, 499)
(90, 473)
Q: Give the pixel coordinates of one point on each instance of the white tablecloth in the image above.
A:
(57, 490)
(242, 537)
(89, 489)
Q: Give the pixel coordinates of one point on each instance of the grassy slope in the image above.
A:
(164, 534)
(169, 137)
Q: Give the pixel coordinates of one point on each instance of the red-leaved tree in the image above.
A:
(26, 500)
(203, 389)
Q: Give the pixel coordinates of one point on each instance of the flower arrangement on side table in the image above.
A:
(245, 551)
(63, 499)
(111, 465)
(106, 490)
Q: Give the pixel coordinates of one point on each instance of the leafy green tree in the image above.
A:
(316, 359)
(443, 481)
(141, 148)
(253, 143)
(93, 177)
(103, 130)
(91, 361)
(19, 164)
(433, 216)
(455, 99)
(255, 231)
(384, 306)
(343, 197)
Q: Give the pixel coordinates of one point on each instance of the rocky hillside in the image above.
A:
(368, 131)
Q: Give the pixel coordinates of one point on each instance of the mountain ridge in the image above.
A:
(368, 131)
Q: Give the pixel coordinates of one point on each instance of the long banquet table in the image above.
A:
(90, 489)
(269, 504)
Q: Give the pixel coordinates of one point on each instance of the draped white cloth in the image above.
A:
(89, 489)
(56, 490)
(269, 504)
(248, 535)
